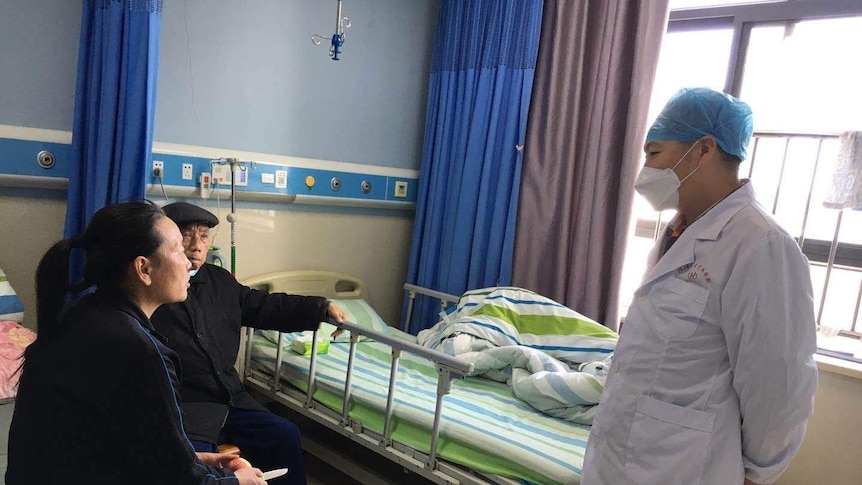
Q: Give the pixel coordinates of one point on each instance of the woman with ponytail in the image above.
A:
(96, 401)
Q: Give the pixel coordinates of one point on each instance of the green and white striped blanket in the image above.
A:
(554, 358)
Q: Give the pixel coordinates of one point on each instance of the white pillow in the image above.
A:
(11, 308)
(357, 311)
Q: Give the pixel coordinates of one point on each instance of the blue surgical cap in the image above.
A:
(692, 113)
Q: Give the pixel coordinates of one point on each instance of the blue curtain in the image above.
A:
(115, 102)
(479, 92)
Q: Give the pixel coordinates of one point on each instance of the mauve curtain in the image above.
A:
(585, 129)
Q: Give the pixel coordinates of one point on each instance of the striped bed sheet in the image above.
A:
(483, 426)
(11, 308)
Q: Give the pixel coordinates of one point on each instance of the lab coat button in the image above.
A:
(615, 367)
(594, 441)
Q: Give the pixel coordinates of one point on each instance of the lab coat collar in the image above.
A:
(707, 228)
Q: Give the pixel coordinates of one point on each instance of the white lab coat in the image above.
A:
(713, 378)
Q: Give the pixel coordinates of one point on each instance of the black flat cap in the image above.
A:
(184, 214)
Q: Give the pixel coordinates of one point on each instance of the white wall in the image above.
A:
(373, 246)
(244, 75)
(831, 451)
(28, 227)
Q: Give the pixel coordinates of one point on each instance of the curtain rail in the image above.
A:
(34, 182)
(155, 192)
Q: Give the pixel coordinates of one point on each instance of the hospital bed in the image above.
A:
(408, 403)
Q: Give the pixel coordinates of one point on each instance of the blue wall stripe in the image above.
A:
(18, 157)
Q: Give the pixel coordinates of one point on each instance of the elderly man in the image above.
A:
(713, 379)
(205, 332)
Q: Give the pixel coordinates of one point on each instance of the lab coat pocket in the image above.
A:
(667, 444)
(679, 308)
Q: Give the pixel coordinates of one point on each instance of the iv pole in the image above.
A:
(337, 38)
(231, 218)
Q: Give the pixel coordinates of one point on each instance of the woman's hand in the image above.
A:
(245, 473)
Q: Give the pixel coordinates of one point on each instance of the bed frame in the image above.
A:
(261, 381)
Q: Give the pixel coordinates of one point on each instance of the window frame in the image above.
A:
(746, 17)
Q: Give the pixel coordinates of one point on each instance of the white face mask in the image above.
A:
(660, 186)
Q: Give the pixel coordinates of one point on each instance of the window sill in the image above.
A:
(830, 343)
(838, 366)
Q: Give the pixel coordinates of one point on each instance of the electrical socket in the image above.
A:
(241, 176)
(281, 179)
(205, 181)
(401, 189)
(221, 174)
(158, 169)
(188, 170)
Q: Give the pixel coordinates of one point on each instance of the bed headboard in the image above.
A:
(327, 284)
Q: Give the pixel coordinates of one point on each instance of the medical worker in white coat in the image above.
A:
(713, 379)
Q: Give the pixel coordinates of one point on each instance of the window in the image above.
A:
(803, 77)
(792, 62)
(690, 4)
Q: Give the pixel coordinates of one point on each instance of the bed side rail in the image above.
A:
(413, 290)
(448, 368)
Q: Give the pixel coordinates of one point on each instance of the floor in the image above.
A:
(318, 472)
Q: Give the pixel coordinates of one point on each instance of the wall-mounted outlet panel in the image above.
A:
(401, 189)
(221, 174)
(281, 179)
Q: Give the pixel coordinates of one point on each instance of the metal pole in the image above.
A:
(832, 250)
(338, 29)
(248, 346)
(657, 231)
(279, 358)
(345, 410)
(390, 398)
(810, 190)
(412, 296)
(312, 372)
(780, 176)
(753, 156)
(232, 216)
(856, 312)
(444, 386)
